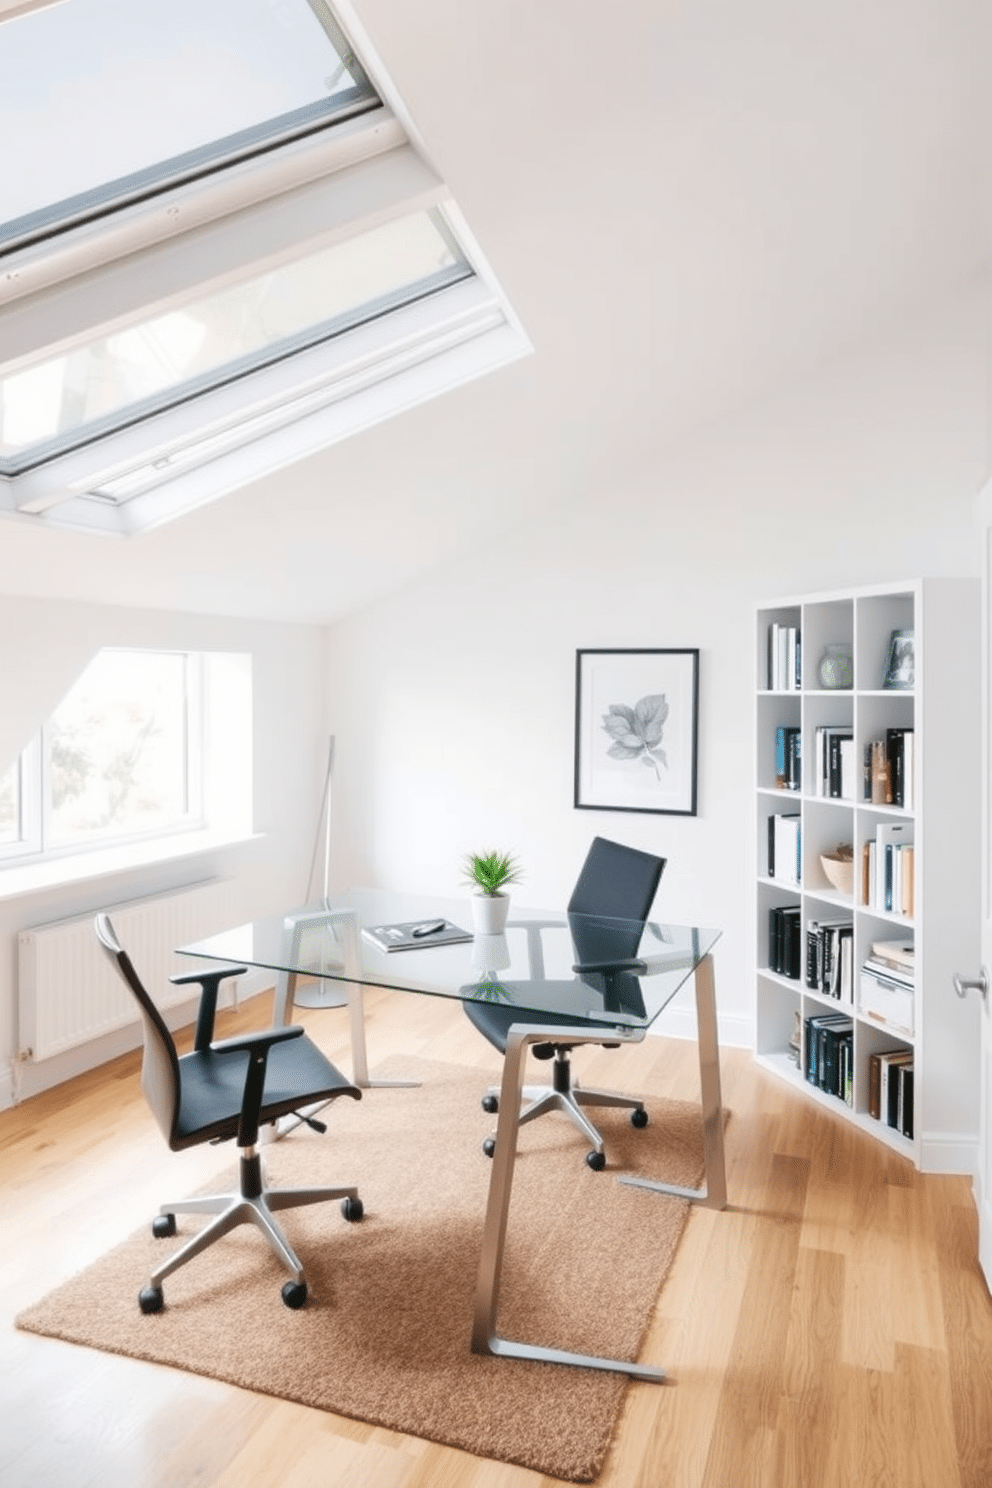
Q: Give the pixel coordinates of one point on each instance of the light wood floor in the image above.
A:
(829, 1329)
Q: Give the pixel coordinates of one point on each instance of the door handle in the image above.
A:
(963, 985)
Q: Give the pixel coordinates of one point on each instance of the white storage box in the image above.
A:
(886, 1002)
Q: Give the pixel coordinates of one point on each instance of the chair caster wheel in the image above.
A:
(150, 1299)
(352, 1209)
(294, 1294)
(489, 1146)
(490, 1103)
(639, 1117)
(163, 1225)
(596, 1161)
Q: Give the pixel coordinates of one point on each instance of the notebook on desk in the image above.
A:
(404, 936)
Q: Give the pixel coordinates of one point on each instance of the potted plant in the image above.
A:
(490, 875)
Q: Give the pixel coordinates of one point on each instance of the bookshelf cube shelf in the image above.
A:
(854, 993)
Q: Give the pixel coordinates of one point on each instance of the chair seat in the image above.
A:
(494, 1020)
(212, 1085)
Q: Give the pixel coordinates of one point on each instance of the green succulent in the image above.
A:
(492, 871)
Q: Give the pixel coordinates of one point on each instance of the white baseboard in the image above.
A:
(680, 1023)
(949, 1152)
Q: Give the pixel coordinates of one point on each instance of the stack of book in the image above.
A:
(834, 770)
(890, 1089)
(888, 869)
(830, 958)
(784, 658)
(785, 940)
(889, 769)
(830, 1055)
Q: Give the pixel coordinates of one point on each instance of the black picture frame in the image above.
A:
(637, 730)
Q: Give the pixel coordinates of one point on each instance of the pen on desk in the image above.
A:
(431, 928)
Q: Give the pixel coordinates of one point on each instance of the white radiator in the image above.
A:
(68, 991)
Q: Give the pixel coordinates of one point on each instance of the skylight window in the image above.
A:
(244, 256)
(151, 95)
(116, 377)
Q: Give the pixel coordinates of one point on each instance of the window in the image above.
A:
(136, 750)
(201, 85)
(244, 257)
(161, 360)
(11, 831)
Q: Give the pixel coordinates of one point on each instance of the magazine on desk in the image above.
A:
(414, 935)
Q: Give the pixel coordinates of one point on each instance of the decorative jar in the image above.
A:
(836, 666)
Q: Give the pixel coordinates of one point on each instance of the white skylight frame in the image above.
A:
(310, 192)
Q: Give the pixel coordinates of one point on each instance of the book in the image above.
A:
(840, 746)
(881, 782)
(823, 1033)
(848, 768)
(904, 1111)
(890, 1084)
(829, 958)
(900, 954)
(890, 865)
(784, 658)
(400, 937)
(784, 848)
(788, 747)
(834, 766)
(784, 941)
(880, 1076)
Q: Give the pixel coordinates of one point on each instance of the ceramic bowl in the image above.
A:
(839, 872)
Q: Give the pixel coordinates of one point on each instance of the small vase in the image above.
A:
(489, 912)
(836, 667)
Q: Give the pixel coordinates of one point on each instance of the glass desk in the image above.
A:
(544, 963)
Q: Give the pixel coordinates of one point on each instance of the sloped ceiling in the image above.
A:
(686, 203)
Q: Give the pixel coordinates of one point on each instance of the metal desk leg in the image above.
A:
(359, 1057)
(713, 1194)
(485, 1339)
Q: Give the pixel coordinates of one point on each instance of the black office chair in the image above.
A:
(223, 1090)
(606, 914)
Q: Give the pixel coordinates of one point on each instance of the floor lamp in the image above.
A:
(322, 993)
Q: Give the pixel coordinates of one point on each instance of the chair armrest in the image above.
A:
(634, 965)
(257, 1045)
(217, 973)
(262, 1038)
(209, 981)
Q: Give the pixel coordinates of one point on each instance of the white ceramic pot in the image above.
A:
(489, 912)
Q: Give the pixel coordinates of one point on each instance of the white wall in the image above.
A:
(41, 640)
(453, 702)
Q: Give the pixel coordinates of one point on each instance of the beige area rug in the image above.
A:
(385, 1335)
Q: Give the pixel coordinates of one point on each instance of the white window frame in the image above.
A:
(299, 197)
(218, 763)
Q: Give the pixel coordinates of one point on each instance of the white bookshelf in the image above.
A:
(942, 709)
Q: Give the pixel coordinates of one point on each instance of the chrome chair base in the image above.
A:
(540, 1099)
(247, 1207)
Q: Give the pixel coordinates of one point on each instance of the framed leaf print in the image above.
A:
(636, 725)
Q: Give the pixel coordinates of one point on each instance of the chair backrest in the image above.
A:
(160, 1079)
(616, 880)
(611, 901)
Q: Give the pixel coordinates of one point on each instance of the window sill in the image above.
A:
(79, 867)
